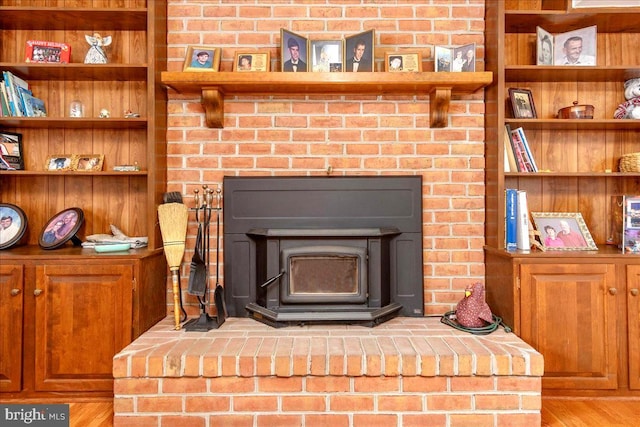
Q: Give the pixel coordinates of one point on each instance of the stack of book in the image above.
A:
(16, 98)
(518, 155)
(517, 223)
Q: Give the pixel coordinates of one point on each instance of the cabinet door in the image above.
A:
(633, 310)
(83, 318)
(569, 315)
(11, 299)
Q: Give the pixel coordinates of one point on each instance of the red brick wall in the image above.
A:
(352, 135)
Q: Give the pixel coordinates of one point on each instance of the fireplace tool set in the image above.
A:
(205, 205)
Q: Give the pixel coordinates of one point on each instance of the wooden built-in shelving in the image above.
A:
(214, 86)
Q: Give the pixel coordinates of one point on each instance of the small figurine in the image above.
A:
(128, 114)
(96, 54)
(104, 114)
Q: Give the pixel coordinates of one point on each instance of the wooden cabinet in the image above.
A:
(575, 307)
(67, 316)
(580, 313)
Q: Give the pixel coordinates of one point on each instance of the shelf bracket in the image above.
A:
(213, 103)
(439, 100)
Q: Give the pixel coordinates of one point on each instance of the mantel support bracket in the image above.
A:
(213, 103)
(439, 100)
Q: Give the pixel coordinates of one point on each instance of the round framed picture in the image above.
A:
(13, 224)
(61, 228)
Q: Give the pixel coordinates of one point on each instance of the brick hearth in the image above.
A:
(405, 372)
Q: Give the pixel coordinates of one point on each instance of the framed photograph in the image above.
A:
(544, 47)
(326, 55)
(522, 104)
(359, 52)
(563, 231)
(294, 55)
(402, 62)
(13, 224)
(576, 48)
(59, 162)
(632, 212)
(456, 59)
(87, 162)
(45, 51)
(578, 4)
(11, 155)
(202, 58)
(61, 228)
(251, 61)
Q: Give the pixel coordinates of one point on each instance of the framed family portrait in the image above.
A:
(522, 104)
(61, 228)
(293, 52)
(402, 62)
(563, 231)
(59, 162)
(326, 55)
(87, 162)
(11, 155)
(359, 52)
(202, 58)
(251, 61)
(13, 224)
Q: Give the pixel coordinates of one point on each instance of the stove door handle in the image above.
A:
(271, 280)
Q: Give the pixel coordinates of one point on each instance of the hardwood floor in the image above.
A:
(556, 412)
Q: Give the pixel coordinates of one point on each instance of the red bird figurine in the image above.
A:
(473, 311)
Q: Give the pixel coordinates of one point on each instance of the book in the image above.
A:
(525, 143)
(511, 159)
(521, 152)
(12, 85)
(517, 149)
(522, 225)
(34, 107)
(456, 59)
(511, 219)
(577, 47)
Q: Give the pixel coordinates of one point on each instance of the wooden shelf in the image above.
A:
(613, 20)
(64, 18)
(561, 73)
(77, 71)
(111, 173)
(71, 123)
(571, 174)
(584, 124)
(215, 86)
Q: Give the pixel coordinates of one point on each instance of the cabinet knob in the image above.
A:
(613, 291)
(634, 292)
(16, 291)
(37, 292)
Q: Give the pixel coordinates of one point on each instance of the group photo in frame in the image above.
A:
(396, 62)
(251, 61)
(202, 58)
(61, 228)
(359, 52)
(294, 54)
(522, 105)
(13, 224)
(47, 52)
(563, 231)
(11, 154)
(87, 162)
(326, 55)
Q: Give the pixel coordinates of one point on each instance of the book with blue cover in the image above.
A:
(511, 219)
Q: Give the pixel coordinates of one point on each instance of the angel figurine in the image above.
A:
(96, 54)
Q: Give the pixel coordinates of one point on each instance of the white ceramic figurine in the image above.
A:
(96, 54)
(632, 89)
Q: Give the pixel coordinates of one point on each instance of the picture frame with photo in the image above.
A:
(294, 52)
(455, 59)
(359, 52)
(61, 228)
(59, 162)
(42, 51)
(544, 47)
(522, 105)
(87, 162)
(402, 62)
(576, 48)
(326, 55)
(583, 4)
(13, 225)
(563, 231)
(251, 61)
(11, 151)
(202, 58)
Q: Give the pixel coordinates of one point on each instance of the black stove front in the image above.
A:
(323, 250)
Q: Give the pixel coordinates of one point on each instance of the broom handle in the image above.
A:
(176, 299)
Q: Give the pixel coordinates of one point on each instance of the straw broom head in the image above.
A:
(173, 219)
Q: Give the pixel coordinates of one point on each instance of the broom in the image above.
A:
(173, 219)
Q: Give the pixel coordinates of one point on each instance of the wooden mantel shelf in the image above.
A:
(215, 86)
